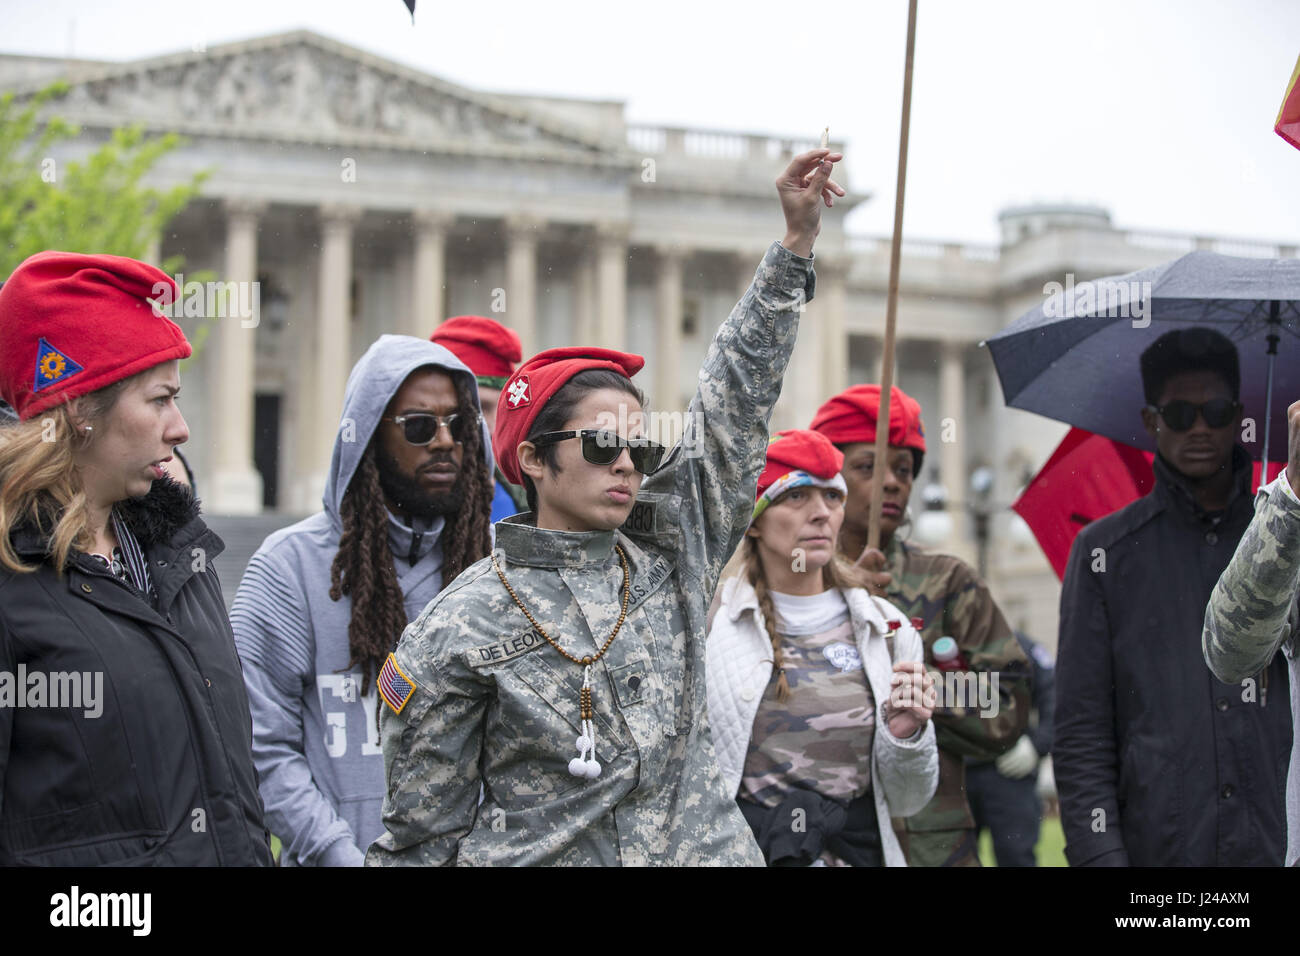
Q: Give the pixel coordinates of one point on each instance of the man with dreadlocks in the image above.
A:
(324, 601)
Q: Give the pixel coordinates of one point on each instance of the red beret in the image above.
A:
(489, 348)
(799, 450)
(851, 417)
(71, 324)
(533, 384)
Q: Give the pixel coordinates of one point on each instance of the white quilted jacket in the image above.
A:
(904, 773)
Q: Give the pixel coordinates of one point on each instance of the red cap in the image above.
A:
(71, 324)
(851, 417)
(533, 384)
(799, 450)
(489, 348)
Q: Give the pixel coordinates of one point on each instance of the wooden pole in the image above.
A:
(891, 308)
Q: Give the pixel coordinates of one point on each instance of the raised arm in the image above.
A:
(1252, 611)
(715, 467)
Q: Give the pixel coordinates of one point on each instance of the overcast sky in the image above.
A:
(1160, 111)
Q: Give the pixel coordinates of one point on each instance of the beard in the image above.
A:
(406, 492)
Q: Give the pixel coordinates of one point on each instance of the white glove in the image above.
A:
(1020, 761)
(1046, 779)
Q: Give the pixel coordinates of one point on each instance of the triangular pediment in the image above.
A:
(306, 88)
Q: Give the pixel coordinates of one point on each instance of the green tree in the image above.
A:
(95, 205)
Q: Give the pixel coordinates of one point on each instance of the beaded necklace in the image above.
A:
(581, 765)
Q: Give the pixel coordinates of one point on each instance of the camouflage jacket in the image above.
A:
(494, 704)
(1253, 611)
(952, 601)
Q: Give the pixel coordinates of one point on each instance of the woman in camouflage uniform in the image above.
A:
(949, 598)
(815, 716)
(564, 674)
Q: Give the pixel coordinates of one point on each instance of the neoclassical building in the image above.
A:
(366, 197)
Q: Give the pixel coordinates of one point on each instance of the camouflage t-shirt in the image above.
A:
(820, 738)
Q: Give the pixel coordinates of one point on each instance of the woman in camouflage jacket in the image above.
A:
(478, 698)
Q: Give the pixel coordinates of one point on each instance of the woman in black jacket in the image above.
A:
(125, 735)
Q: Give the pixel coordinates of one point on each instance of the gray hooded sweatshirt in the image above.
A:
(315, 739)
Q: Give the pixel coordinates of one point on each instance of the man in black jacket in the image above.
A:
(1157, 762)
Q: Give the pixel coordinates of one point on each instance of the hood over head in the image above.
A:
(374, 380)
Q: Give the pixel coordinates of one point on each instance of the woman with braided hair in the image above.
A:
(818, 697)
(324, 601)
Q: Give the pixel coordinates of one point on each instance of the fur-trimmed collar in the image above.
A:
(161, 513)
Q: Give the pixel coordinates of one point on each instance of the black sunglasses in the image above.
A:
(601, 447)
(419, 428)
(1181, 415)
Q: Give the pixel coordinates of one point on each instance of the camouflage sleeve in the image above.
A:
(431, 756)
(1252, 611)
(715, 467)
(973, 619)
(1085, 754)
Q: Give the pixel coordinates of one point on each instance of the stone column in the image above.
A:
(668, 345)
(801, 392)
(333, 334)
(875, 349)
(832, 286)
(952, 405)
(236, 486)
(611, 285)
(429, 271)
(521, 278)
(584, 296)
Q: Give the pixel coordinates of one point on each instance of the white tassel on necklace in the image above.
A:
(582, 765)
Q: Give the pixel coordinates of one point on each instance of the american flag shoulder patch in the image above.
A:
(394, 686)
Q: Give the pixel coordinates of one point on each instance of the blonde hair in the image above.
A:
(40, 482)
(837, 573)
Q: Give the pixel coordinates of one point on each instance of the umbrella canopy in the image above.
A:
(1074, 358)
(1088, 477)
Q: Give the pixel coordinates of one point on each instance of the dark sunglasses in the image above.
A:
(1181, 415)
(419, 428)
(601, 447)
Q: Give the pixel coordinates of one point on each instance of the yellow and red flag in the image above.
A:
(1288, 117)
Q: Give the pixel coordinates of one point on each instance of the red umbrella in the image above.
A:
(1087, 477)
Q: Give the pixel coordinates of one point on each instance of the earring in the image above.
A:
(89, 429)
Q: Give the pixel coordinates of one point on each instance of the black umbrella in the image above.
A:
(1075, 357)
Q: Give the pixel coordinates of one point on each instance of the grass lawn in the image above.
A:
(1050, 849)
